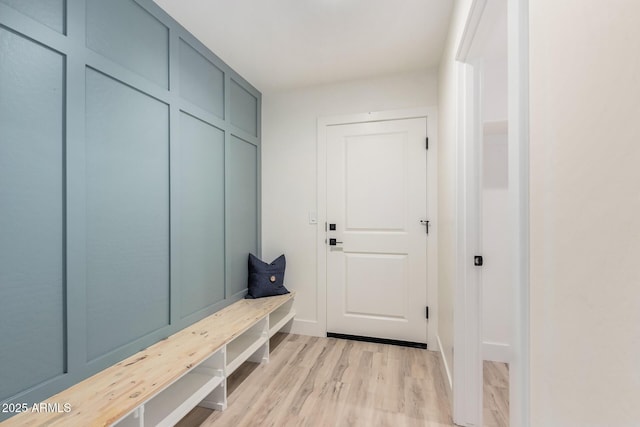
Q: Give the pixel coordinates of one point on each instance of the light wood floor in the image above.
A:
(323, 382)
(495, 396)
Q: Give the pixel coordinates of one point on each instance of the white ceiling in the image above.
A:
(282, 44)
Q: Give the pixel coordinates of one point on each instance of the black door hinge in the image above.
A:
(478, 261)
(426, 224)
(427, 145)
(427, 312)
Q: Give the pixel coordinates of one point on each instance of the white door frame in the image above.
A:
(518, 146)
(467, 391)
(432, 197)
(467, 340)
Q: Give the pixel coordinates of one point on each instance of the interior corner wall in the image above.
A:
(289, 169)
(129, 187)
(584, 213)
(447, 101)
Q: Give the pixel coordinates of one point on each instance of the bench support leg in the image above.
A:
(217, 399)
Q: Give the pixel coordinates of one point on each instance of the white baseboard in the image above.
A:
(307, 327)
(446, 366)
(496, 352)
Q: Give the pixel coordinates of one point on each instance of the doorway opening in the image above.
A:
(490, 323)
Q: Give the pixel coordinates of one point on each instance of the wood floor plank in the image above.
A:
(496, 394)
(329, 382)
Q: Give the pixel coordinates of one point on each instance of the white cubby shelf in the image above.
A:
(205, 383)
(280, 317)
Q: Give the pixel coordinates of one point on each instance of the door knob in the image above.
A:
(333, 242)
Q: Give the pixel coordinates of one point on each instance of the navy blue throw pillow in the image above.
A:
(266, 280)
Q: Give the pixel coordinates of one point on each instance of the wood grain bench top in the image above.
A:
(111, 394)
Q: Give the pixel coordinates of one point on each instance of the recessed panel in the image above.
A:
(244, 109)
(376, 182)
(201, 215)
(242, 220)
(31, 215)
(48, 12)
(201, 82)
(127, 34)
(376, 285)
(127, 196)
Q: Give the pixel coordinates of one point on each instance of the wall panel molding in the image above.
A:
(32, 214)
(139, 169)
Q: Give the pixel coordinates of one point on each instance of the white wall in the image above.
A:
(585, 213)
(289, 184)
(446, 182)
(496, 272)
(495, 74)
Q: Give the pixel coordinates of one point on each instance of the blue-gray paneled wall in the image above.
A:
(202, 214)
(32, 272)
(243, 202)
(129, 186)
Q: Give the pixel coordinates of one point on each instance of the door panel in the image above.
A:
(378, 180)
(376, 197)
(367, 277)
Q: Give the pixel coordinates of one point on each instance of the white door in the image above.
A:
(377, 198)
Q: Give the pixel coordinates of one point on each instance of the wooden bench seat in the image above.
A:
(124, 393)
